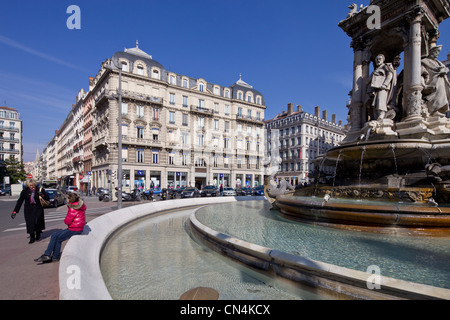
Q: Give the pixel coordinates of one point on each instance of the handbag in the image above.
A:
(44, 203)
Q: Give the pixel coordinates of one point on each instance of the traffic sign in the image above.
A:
(30, 176)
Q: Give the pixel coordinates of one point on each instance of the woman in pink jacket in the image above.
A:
(75, 220)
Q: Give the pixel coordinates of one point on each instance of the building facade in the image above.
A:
(300, 138)
(10, 134)
(176, 130)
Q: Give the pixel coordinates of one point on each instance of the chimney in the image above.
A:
(325, 115)
(317, 112)
(333, 118)
(290, 108)
(299, 108)
(340, 123)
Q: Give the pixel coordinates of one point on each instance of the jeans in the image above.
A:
(56, 240)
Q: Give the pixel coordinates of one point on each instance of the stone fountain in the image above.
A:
(394, 164)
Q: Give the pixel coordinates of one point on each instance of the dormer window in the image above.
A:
(201, 87)
(172, 79)
(124, 66)
(155, 74)
(140, 70)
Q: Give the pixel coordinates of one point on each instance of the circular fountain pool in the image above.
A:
(156, 258)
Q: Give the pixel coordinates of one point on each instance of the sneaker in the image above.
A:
(44, 259)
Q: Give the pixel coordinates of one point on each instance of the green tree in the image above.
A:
(12, 168)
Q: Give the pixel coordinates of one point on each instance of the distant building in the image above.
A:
(302, 138)
(10, 134)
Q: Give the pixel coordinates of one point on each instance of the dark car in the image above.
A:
(209, 191)
(6, 191)
(190, 192)
(56, 197)
(258, 191)
(244, 191)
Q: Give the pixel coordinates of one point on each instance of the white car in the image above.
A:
(229, 192)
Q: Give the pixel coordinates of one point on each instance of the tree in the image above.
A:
(12, 168)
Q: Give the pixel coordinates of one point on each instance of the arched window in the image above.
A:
(155, 74)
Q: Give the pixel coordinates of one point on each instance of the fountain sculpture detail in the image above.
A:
(397, 147)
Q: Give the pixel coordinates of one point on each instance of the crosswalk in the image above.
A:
(59, 215)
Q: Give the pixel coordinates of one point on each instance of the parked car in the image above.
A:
(180, 190)
(244, 191)
(156, 191)
(258, 191)
(209, 191)
(71, 189)
(6, 191)
(190, 192)
(228, 191)
(56, 197)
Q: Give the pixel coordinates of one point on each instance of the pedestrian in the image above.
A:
(33, 210)
(221, 190)
(75, 220)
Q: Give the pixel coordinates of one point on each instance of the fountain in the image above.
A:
(394, 163)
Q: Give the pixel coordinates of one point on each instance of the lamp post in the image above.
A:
(119, 133)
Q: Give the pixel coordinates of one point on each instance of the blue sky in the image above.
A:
(289, 50)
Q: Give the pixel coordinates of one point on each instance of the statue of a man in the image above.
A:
(436, 85)
(382, 82)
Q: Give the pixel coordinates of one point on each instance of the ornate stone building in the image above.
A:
(302, 138)
(10, 134)
(176, 130)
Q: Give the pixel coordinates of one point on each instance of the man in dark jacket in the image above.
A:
(33, 210)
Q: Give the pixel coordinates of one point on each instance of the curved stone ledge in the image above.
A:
(327, 279)
(80, 276)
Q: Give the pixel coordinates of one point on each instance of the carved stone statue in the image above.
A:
(381, 88)
(436, 85)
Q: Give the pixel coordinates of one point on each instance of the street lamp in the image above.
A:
(118, 66)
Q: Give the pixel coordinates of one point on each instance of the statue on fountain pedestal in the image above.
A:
(436, 85)
(381, 88)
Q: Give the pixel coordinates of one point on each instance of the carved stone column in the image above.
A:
(413, 90)
(357, 92)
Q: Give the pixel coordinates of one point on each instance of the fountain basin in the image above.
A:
(423, 218)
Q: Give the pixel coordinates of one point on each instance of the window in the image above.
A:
(226, 143)
(216, 91)
(239, 127)
(124, 130)
(140, 111)
(201, 103)
(249, 114)
(155, 114)
(185, 83)
(249, 130)
(186, 159)
(240, 95)
(227, 126)
(185, 119)
(185, 101)
(239, 112)
(124, 109)
(140, 132)
(155, 134)
(172, 98)
(201, 87)
(258, 116)
(200, 140)
(124, 66)
(171, 157)
(155, 74)
(249, 98)
(258, 100)
(155, 156)
(185, 138)
(216, 124)
(227, 110)
(171, 117)
(227, 94)
(201, 122)
(124, 154)
(216, 108)
(172, 79)
(140, 155)
(239, 162)
(140, 70)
